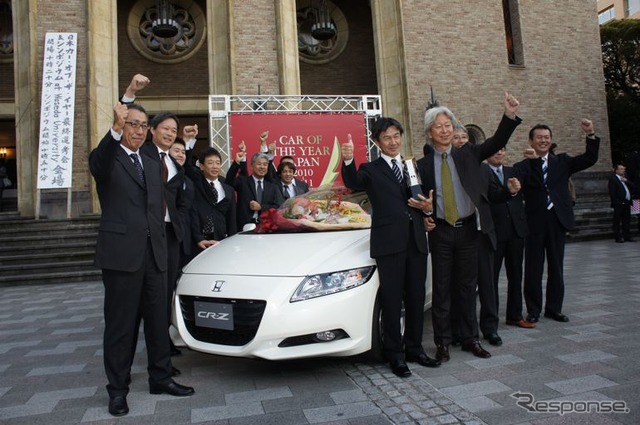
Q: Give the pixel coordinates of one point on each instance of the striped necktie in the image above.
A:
(138, 165)
(545, 169)
(396, 170)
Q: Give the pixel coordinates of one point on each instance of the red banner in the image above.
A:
(312, 139)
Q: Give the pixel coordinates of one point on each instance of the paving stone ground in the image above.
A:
(52, 373)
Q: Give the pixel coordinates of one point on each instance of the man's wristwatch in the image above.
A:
(427, 213)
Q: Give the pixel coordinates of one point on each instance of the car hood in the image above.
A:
(284, 254)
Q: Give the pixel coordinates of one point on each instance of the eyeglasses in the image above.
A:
(136, 125)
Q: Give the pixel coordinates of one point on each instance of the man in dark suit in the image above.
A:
(545, 186)
(507, 211)
(179, 153)
(288, 184)
(255, 193)
(132, 253)
(214, 212)
(620, 193)
(164, 130)
(398, 244)
(462, 217)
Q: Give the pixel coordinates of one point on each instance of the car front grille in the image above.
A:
(247, 315)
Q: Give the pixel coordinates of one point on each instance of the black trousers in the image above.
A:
(550, 241)
(402, 278)
(512, 252)
(173, 264)
(487, 294)
(487, 289)
(622, 220)
(128, 296)
(454, 253)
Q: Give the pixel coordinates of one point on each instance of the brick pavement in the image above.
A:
(52, 373)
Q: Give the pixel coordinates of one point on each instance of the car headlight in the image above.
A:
(319, 285)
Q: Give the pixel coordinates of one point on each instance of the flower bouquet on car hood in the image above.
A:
(335, 208)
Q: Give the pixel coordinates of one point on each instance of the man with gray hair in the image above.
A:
(462, 217)
(255, 193)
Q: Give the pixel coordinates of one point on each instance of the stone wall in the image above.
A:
(458, 47)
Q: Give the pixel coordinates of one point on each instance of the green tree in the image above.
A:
(621, 62)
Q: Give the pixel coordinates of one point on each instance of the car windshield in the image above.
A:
(319, 210)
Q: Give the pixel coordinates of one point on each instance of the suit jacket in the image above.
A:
(246, 190)
(300, 186)
(273, 177)
(223, 213)
(390, 212)
(132, 211)
(173, 192)
(507, 211)
(474, 180)
(188, 193)
(617, 193)
(560, 168)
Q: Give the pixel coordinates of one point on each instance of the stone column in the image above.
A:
(287, 36)
(102, 69)
(219, 24)
(27, 103)
(389, 46)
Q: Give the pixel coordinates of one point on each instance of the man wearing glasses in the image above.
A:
(132, 253)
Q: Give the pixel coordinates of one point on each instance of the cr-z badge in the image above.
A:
(217, 286)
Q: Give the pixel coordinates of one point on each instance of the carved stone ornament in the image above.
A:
(192, 31)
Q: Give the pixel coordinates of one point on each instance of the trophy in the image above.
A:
(412, 177)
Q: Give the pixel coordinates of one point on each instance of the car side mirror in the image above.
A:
(248, 227)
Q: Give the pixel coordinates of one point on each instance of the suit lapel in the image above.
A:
(386, 170)
(205, 189)
(127, 162)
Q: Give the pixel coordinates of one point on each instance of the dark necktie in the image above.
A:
(396, 170)
(138, 165)
(545, 169)
(259, 191)
(214, 192)
(165, 170)
(448, 195)
(285, 191)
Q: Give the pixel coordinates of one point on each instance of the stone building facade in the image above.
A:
(469, 52)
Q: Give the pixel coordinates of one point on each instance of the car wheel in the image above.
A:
(377, 333)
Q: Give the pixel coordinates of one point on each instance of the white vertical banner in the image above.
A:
(55, 155)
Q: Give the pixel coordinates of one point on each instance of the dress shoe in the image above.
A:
(442, 353)
(175, 371)
(399, 368)
(476, 349)
(629, 240)
(558, 317)
(521, 324)
(619, 240)
(533, 319)
(118, 405)
(422, 359)
(494, 339)
(172, 388)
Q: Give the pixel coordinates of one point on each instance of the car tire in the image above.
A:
(376, 353)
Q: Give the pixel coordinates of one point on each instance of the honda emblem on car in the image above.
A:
(217, 287)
